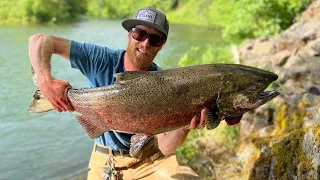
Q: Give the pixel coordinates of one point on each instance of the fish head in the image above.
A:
(244, 90)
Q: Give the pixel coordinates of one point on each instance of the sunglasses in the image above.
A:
(154, 40)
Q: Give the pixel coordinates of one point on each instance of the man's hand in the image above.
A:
(55, 91)
(196, 122)
(168, 142)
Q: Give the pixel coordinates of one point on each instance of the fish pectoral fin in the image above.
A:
(39, 103)
(130, 75)
(137, 142)
(92, 129)
(213, 119)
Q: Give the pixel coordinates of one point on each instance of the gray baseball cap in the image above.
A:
(148, 16)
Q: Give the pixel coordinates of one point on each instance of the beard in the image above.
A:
(141, 62)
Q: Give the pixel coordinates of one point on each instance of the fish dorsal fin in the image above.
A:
(130, 75)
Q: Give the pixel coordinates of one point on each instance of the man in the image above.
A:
(147, 33)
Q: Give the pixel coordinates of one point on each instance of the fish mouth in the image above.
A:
(262, 99)
(244, 105)
(268, 95)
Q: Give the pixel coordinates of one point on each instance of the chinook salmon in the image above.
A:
(153, 102)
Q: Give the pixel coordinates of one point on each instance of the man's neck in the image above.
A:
(128, 66)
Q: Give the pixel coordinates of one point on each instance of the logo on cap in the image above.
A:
(147, 15)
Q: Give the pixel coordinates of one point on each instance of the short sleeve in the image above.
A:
(155, 67)
(93, 60)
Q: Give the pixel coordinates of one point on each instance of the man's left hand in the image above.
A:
(197, 122)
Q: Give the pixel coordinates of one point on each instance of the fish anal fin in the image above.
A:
(138, 141)
(213, 119)
(93, 130)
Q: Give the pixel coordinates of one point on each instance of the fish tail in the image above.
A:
(90, 127)
(39, 103)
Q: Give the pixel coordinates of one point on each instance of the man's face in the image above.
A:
(141, 53)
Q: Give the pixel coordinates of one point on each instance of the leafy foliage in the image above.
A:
(208, 55)
(124, 8)
(40, 11)
(192, 150)
(262, 18)
(241, 18)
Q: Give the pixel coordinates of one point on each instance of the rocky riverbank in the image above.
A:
(282, 138)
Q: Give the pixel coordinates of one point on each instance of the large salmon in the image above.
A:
(161, 101)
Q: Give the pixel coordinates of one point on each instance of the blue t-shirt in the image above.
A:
(99, 64)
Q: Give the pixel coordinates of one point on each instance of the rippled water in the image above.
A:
(53, 145)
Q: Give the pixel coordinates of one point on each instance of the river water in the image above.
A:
(53, 145)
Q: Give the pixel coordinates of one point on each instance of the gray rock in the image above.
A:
(280, 58)
(264, 48)
(255, 121)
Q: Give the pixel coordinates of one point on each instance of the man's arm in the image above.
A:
(170, 141)
(41, 48)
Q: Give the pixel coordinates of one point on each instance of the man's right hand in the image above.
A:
(55, 91)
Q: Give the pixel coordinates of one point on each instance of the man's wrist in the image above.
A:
(185, 130)
(43, 78)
